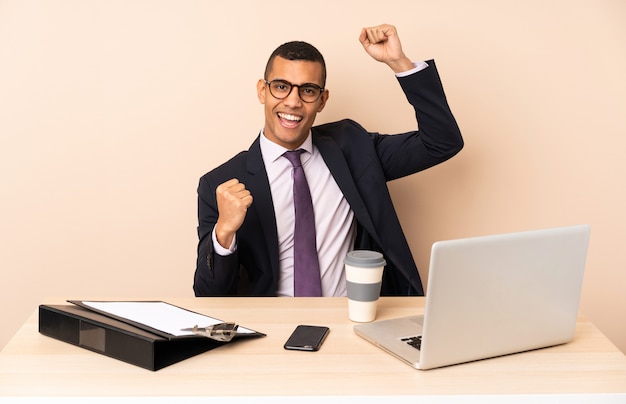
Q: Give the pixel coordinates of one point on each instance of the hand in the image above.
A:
(383, 44)
(233, 201)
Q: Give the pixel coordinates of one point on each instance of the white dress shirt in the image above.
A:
(334, 220)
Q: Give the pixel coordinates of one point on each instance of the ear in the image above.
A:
(325, 96)
(260, 90)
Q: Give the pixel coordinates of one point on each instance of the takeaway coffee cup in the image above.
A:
(364, 274)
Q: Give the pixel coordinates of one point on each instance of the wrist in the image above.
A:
(401, 65)
(224, 237)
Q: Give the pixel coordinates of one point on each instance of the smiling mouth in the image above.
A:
(288, 120)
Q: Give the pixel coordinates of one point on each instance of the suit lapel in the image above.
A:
(336, 162)
(259, 187)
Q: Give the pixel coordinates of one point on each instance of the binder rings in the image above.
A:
(127, 341)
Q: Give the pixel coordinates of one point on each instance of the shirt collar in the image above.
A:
(272, 151)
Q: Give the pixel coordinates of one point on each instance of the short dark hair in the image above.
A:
(297, 50)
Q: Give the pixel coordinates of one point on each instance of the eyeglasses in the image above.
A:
(281, 89)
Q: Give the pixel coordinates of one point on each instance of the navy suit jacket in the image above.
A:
(361, 164)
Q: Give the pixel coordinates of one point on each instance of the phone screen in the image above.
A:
(307, 338)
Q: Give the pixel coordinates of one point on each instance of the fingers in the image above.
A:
(363, 38)
(234, 193)
(377, 34)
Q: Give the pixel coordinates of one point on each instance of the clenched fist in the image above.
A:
(383, 44)
(233, 201)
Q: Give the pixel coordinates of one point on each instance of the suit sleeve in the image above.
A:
(438, 138)
(215, 275)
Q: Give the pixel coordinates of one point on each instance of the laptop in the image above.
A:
(490, 296)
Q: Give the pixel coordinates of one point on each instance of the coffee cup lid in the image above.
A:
(365, 258)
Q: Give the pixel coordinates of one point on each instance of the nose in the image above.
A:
(293, 99)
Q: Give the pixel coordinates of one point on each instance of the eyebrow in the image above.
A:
(297, 85)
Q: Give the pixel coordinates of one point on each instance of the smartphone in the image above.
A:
(307, 338)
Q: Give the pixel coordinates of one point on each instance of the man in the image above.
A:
(246, 206)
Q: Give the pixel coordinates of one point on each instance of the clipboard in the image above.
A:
(158, 317)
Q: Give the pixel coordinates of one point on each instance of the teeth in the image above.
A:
(290, 117)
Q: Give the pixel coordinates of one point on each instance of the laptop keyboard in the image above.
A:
(415, 342)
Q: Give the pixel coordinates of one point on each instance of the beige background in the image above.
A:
(110, 111)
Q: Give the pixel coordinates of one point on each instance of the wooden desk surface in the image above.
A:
(35, 365)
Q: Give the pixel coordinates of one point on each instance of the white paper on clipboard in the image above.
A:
(158, 315)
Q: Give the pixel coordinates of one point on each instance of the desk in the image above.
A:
(35, 365)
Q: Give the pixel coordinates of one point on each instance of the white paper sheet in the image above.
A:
(161, 316)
